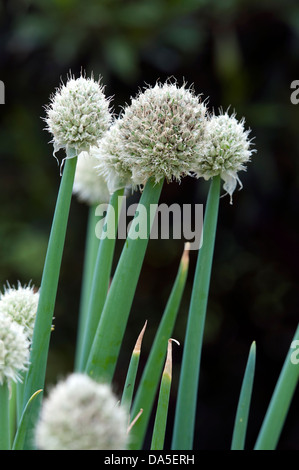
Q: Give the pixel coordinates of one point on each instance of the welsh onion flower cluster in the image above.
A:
(80, 413)
(165, 134)
(18, 306)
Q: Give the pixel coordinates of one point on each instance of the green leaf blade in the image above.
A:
(241, 420)
(128, 390)
(22, 429)
(280, 402)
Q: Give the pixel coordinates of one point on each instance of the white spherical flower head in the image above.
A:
(227, 151)
(20, 303)
(89, 186)
(162, 133)
(111, 161)
(78, 114)
(81, 414)
(14, 350)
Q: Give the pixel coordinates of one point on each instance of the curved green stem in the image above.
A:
(44, 317)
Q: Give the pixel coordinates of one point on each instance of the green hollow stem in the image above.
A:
(48, 290)
(91, 249)
(241, 420)
(185, 414)
(149, 382)
(281, 399)
(101, 277)
(126, 399)
(4, 417)
(13, 410)
(104, 352)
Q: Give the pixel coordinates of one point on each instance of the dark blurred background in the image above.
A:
(239, 53)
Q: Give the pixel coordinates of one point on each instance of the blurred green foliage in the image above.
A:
(238, 53)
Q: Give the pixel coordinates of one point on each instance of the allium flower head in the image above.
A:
(111, 161)
(81, 414)
(14, 349)
(161, 133)
(227, 151)
(78, 114)
(89, 186)
(21, 305)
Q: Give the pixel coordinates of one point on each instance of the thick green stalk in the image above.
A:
(189, 377)
(281, 399)
(44, 317)
(101, 277)
(108, 338)
(126, 399)
(240, 427)
(91, 249)
(149, 382)
(4, 417)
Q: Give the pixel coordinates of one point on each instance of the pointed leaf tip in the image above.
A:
(134, 420)
(168, 363)
(185, 255)
(137, 347)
